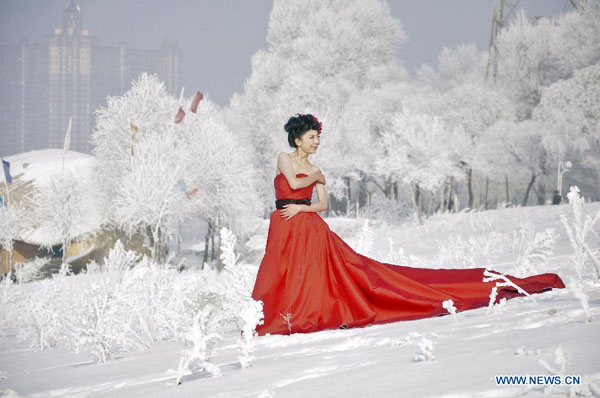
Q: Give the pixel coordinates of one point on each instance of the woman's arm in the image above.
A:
(321, 205)
(285, 165)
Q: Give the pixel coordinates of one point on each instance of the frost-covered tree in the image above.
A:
(530, 56)
(220, 163)
(458, 93)
(60, 210)
(150, 109)
(570, 111)
(421, 151)
(130, 153)
(13, 219)
(159, 165)
(464, 64)
(580, 31)
(515, 149)
(366, 114)
(320, 54)
(147, 195)
(533, 55)
(472, 107)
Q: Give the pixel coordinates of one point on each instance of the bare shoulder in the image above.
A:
(282, 157)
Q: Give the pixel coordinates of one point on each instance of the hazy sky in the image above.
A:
(218, 37)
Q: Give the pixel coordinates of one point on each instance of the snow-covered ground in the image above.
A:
(435, 357)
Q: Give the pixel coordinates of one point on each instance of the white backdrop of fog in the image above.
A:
(218, 38)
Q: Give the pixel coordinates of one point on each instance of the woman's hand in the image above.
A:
(290, 210)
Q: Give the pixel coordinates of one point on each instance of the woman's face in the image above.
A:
(309, 142)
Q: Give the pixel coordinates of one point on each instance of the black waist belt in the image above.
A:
(279, 203)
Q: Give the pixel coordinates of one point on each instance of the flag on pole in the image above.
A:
(197, 98)
(6, 167)
(68, 135)
(134, 131)
(183, 188)
(2, 202)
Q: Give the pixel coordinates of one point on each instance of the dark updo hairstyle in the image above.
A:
(298, 125)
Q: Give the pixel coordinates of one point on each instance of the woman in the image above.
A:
(310, 279)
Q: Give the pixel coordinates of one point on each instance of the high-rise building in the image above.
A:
(70, 74)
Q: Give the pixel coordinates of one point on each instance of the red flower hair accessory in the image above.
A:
(320, 124)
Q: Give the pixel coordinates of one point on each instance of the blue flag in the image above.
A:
(2, 202)
(181, 185)
(6, 167)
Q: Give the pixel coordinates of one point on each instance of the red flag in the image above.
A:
(197, 98)
(191, 193)
(180, 115)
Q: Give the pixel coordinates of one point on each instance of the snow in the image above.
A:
(433, 357)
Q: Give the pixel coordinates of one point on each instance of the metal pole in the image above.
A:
(566, 166)
(7, 193)
(558, 182)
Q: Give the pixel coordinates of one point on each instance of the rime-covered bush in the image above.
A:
(208, 321)
(578, 229)
(472, 251)
(29, 270)
(130, 304)
(534, 249)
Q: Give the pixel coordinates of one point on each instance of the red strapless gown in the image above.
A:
(310, 280)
